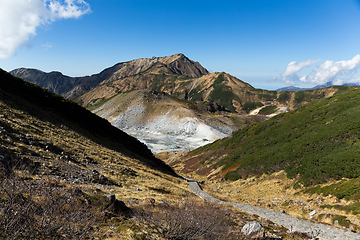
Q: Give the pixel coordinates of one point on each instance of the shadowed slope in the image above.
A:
(53, 108)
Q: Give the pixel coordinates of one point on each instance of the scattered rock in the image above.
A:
(164, 204)
(148, 201)
(312, 213)
(253, 230)
(132, 201)
(77, 191)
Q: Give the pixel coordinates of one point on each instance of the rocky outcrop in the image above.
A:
(253, 230)
(184, 66)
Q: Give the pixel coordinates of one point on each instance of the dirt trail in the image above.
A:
(318, 230)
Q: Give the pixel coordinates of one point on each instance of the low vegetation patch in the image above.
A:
(186, 220)
(302, 96)
(222, 94)
(341, 220)
(268, 110)
(346, 188)
(283, 97)
(353, 208)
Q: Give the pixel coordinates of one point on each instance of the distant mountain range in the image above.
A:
(328, 84)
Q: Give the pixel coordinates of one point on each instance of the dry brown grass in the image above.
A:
(106, 161)
(189, 219)
(57, 154)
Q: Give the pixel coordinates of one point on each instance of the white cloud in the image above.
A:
(69, 9)
(292, 70)
(47, 46)
(355, 80)
(340, 72)
(19, 19)
(330, 71)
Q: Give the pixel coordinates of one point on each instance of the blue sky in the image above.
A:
(267, 43)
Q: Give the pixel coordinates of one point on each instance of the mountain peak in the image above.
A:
(182, 65)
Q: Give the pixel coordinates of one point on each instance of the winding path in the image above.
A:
(318, 230)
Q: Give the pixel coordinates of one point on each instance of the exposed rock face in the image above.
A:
(184, 66)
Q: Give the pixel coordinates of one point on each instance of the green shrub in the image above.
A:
(342, 88)
(232, 176)
(342, 220)
(268, 110)
(248, 106)
(284, 96)
(299, 96)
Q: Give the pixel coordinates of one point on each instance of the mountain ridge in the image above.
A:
(70, 87)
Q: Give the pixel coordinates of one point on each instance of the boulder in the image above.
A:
(111, 197)
(253, 230)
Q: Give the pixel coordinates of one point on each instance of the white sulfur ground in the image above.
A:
(169, 133)
(165, 133)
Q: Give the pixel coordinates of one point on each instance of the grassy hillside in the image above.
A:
(37, 101)
(315, 143)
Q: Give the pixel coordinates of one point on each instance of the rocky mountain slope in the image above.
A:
(165, 123)
(293, 142)
(70, 87)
